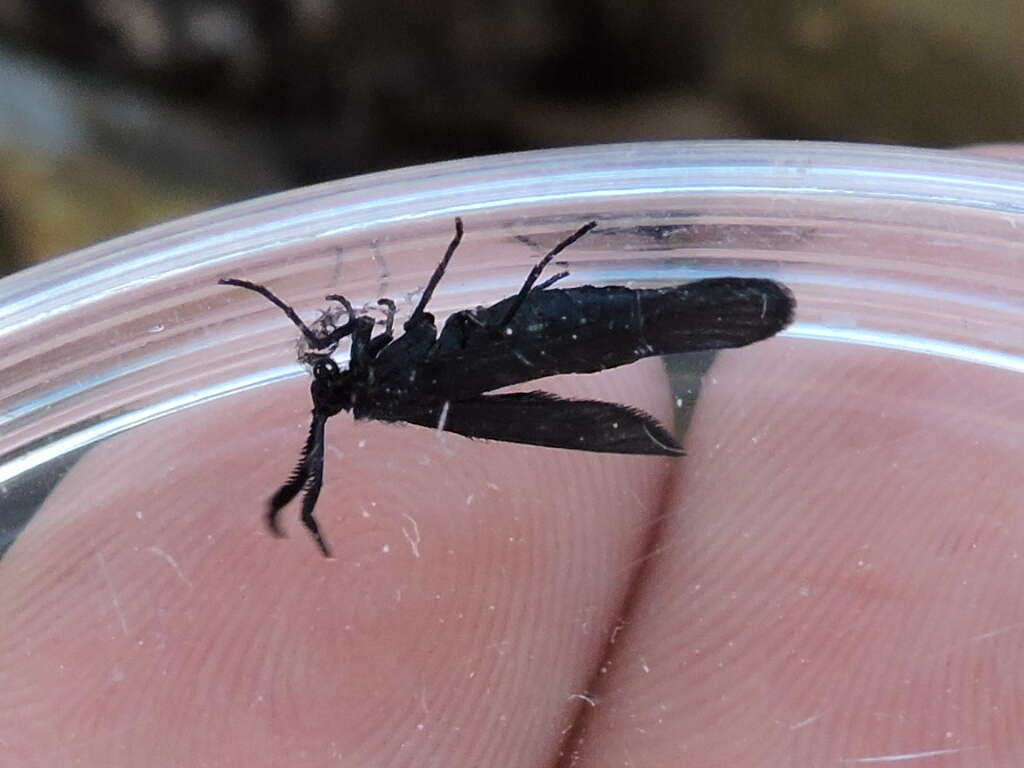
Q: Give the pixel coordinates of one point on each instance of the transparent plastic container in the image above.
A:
(830, 576)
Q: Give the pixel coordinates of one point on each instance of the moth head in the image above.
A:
(332, 387)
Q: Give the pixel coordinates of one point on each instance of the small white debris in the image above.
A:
(414, 537)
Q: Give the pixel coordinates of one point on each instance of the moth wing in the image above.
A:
(540, 418)
(590, 329)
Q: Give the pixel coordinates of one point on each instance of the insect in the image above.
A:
(444, 380)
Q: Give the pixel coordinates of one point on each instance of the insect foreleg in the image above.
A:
(345, 303)
(341, 332)
(287, 492)
(362, 351)
(315, 481)
(381, 340)
(389, 311)
(310, 462)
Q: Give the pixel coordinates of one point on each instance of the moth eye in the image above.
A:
(325, 367)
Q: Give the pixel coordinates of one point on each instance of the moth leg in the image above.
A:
(286, 493)
(309, 474)
(346, 305)
(417, 314)
(299, 475)
(362, 350)
(389, 309)
(341, 332)
(314, 462)
(551, 281)
(538, 268)
(313, 485)
(313, 338)
(381, 340)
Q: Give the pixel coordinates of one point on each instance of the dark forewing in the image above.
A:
(540, 418)
(589, 329)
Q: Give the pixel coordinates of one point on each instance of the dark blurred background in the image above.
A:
(115, 114)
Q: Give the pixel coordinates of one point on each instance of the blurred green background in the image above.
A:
(115, 114)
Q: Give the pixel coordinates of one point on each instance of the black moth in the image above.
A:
(442, 380)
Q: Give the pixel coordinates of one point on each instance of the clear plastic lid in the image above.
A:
(830, 575)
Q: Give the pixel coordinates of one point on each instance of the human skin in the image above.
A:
(829, 577)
